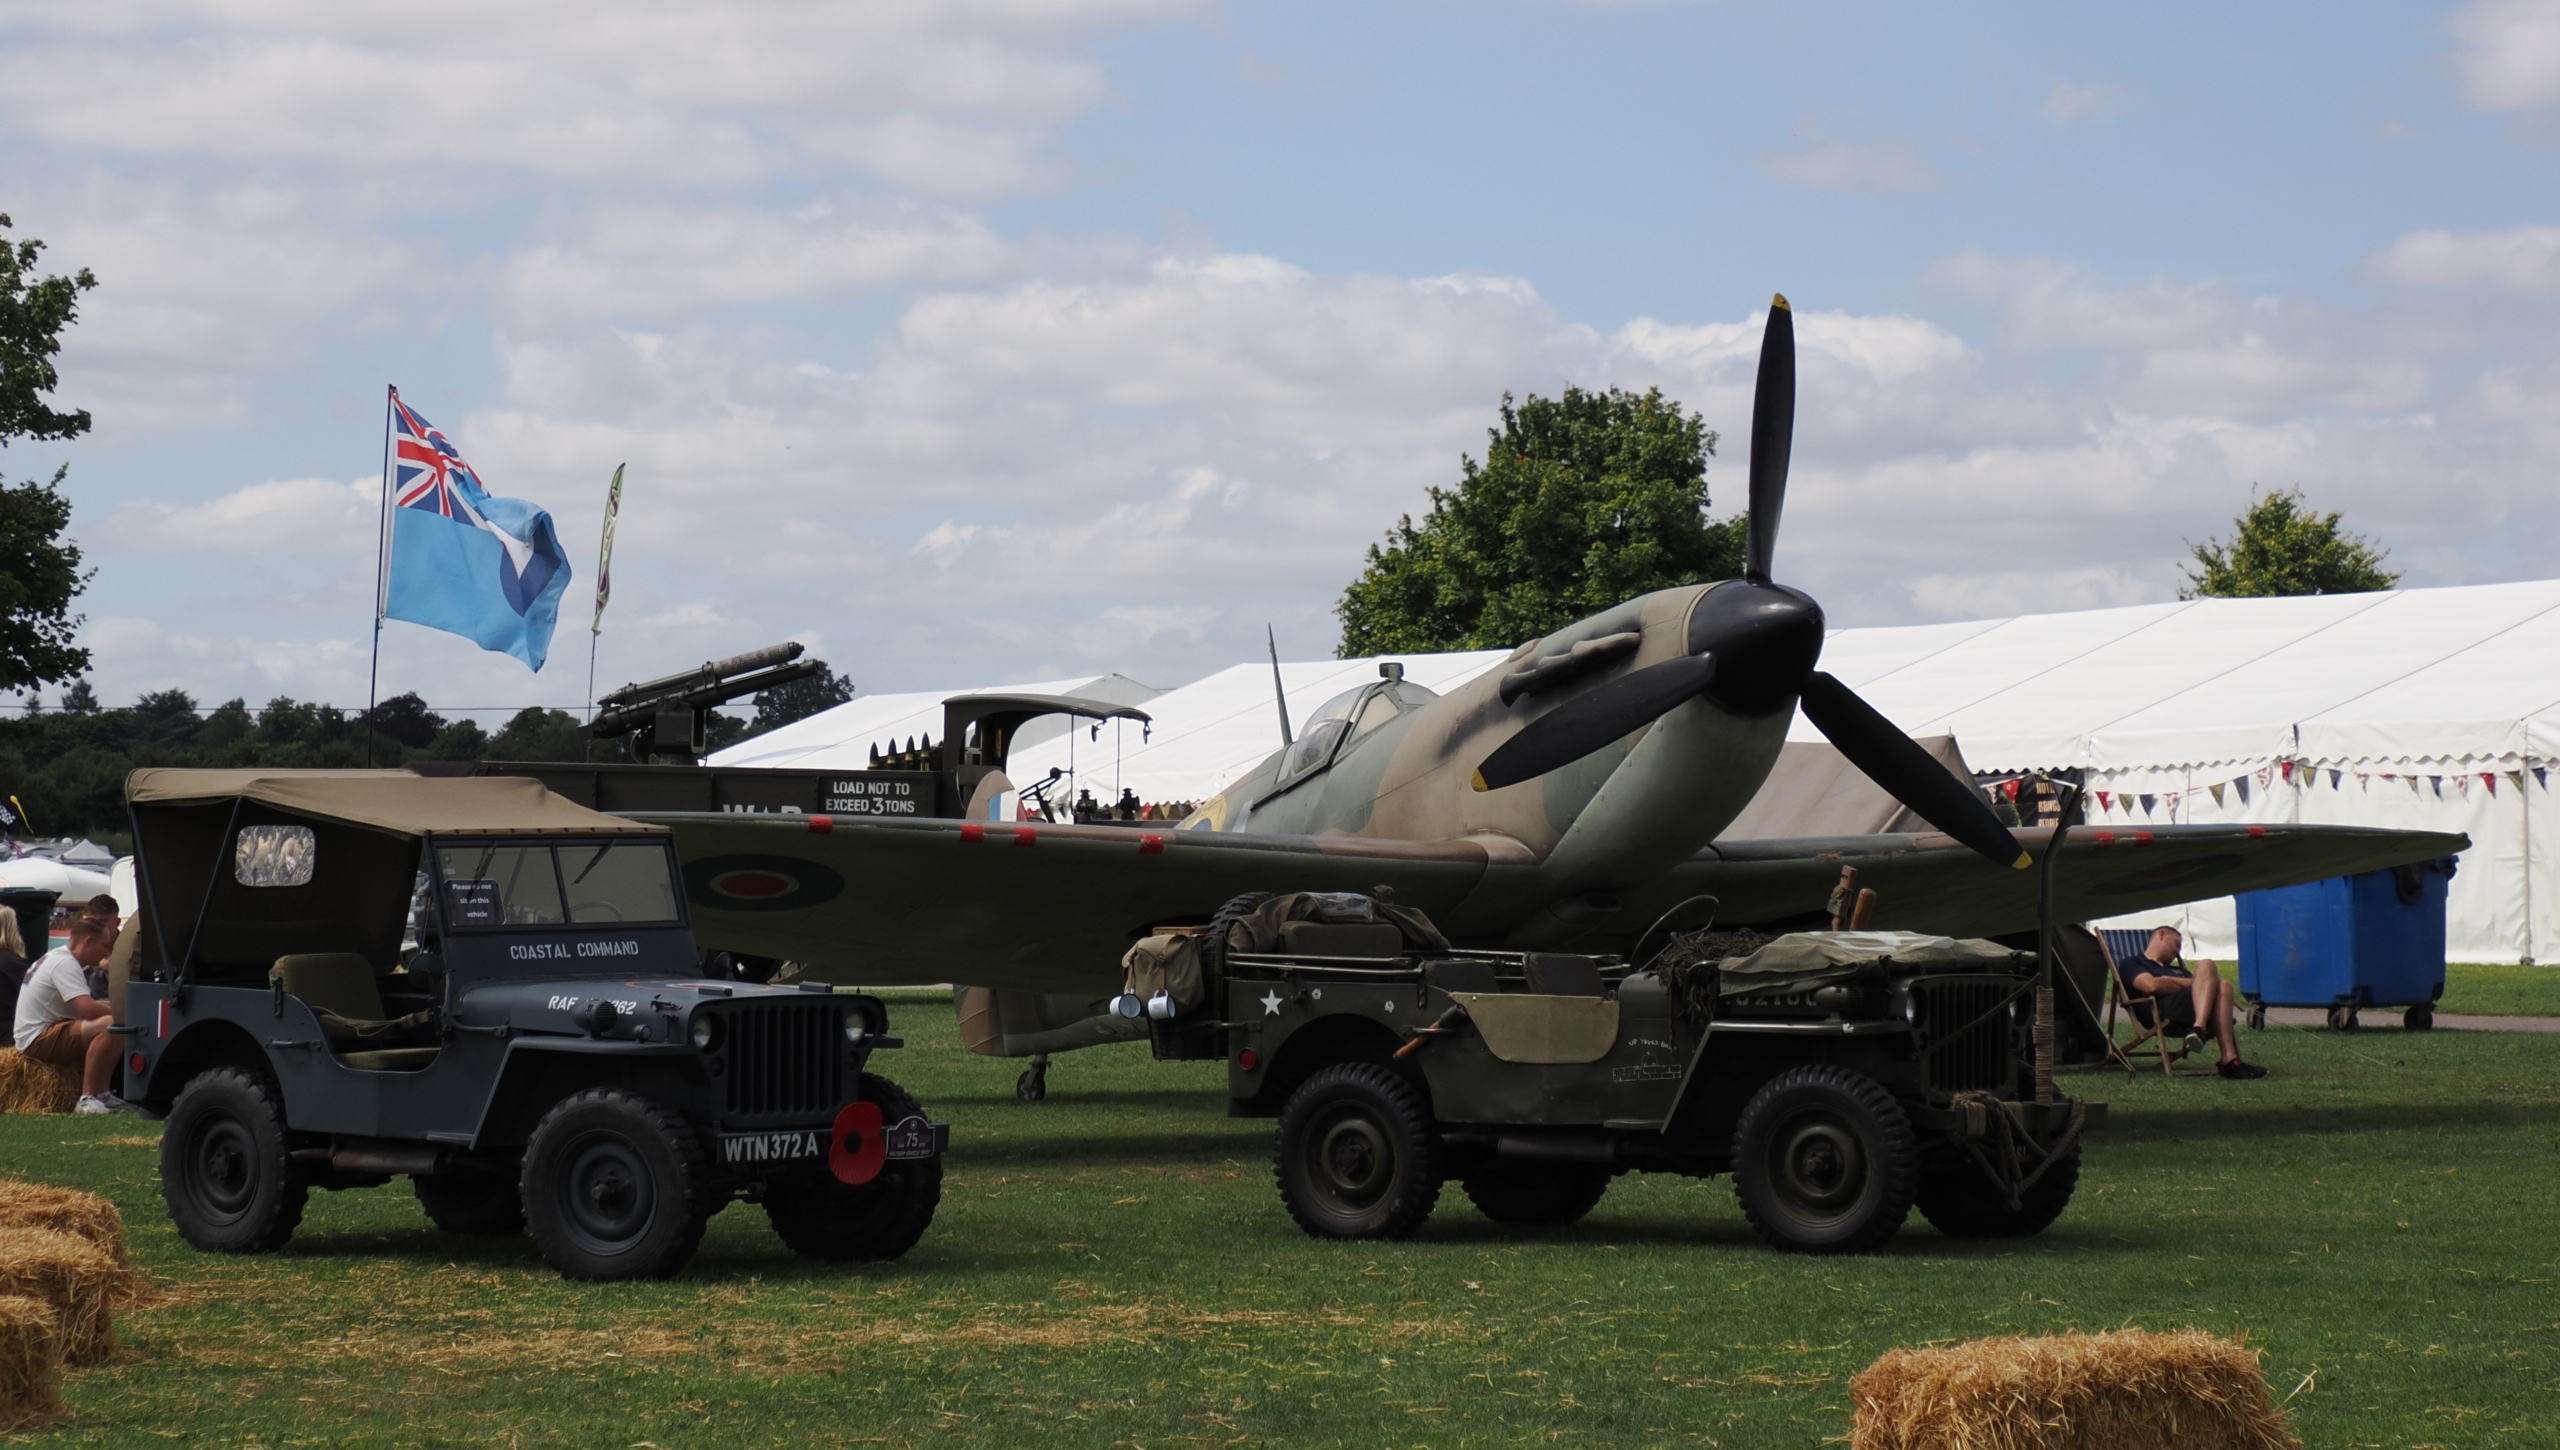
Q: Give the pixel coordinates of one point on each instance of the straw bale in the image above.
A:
(80, 1282)
(29, 1086)
(2129, 1390)
(29, 1350)
(64, 1211)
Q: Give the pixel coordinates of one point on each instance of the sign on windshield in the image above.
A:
(515, 884)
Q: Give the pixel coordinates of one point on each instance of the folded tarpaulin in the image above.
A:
(1807, 959)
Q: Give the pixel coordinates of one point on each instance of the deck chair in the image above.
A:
(2125, 942)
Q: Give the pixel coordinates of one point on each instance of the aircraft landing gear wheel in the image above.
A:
(822, 1217)
(1961, 1203)
(1824, 1162)
(224, 1167)
(471, 1204)
(1553, 1196)
(1358, 1157)
(612, 1187)
(2343, 1019)
(2257, 1016)
(1033, 1085)
(2418, 1019)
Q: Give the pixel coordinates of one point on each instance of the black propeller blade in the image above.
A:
(1592, 719)
(1878, 747)
(1768, 638)
(1773, 427)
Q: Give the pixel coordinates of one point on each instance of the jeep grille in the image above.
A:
(783, 1059)
(1964, 1031)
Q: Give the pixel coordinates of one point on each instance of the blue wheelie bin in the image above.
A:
(2348, 943)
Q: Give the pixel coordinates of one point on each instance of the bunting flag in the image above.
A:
(2147, 802)
(2217, 793)
(2242, 785)
(2102, 800)
(2438, 782)
(2287, 767)
(2489, 778)
(2539, 779)
(2411, 782)
(2516, 778)
(2334, 777)
(2364, 782)
(2264, 778)
(2461, 785)
(2171, 801)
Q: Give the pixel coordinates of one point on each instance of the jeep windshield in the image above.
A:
(513, 884)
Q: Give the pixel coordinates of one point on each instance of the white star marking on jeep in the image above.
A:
(1271, 1004)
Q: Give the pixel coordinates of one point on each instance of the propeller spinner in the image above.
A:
(1752, 647)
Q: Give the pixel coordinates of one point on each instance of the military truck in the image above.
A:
(547, 1052)
(1841, 1078)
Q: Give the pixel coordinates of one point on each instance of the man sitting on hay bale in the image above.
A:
(60, 1021)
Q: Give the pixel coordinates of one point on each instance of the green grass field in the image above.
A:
(1113, 1268)
(2501, 991)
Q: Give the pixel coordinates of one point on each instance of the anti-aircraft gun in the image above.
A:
(668, 720)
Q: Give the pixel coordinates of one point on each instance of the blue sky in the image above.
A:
(1011, 339)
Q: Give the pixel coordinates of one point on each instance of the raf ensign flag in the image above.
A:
(488, 569)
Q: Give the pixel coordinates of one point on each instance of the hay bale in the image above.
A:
(29, 1349)
(2129, 1390)
(29, 1086)
(73, 1276)
(64, 1211)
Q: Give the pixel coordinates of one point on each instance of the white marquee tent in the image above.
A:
(2424, 708)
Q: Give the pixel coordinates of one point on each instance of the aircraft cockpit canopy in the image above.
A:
(1348, 717)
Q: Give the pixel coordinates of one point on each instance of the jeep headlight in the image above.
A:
(1911, 1009)
(856, 1027)
(706, 1030)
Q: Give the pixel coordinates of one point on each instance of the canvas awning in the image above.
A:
(389, 800)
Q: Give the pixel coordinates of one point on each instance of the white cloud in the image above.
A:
(287, 517)
(2070, 103)
(2517, 259)
(2509, 57)
(1876, 166)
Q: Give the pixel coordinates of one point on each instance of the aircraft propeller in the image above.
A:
(1752, 648)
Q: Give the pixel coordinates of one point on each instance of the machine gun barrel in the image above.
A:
(711, 674)
(640, 711)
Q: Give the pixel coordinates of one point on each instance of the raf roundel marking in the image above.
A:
(759, 883)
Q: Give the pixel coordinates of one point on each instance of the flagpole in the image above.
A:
(381, 566)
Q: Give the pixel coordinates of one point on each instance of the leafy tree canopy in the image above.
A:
(33, 313)
(1582, 502)
(406, 719)
(799, 699)
(39, 573)
(2281, 547)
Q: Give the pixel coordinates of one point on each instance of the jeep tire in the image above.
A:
(1824, 1162)
(472, 1203)
(1961, 1201)
(225, 1164)
(1358, 1156)
(822, 1217)
(1551, 1194)
(613, 1187)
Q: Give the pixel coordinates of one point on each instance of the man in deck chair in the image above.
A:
(2185, 999)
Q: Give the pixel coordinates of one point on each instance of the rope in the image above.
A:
(2006, 1172)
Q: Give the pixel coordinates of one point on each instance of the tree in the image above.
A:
(2281, 547)
(1581, 503)
(539, 734)
(32, 316)
(406, 719)
(799, 699)
(39, 573)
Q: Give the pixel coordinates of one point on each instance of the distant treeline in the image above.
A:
(67, 766)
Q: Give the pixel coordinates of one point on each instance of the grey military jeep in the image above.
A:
(547, 1051)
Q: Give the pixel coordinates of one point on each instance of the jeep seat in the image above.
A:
(1564, 974)
(340, 990)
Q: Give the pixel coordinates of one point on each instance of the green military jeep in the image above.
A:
(1842, 1078)
(547, 1053)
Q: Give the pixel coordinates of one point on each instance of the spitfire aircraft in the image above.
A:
(1568, 797)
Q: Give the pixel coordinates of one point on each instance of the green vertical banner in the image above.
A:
(604, 558)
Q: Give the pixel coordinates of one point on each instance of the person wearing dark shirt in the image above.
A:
(2188, 1001)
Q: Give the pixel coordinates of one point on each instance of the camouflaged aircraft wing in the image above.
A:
(1046, 908)
(1929, 883)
